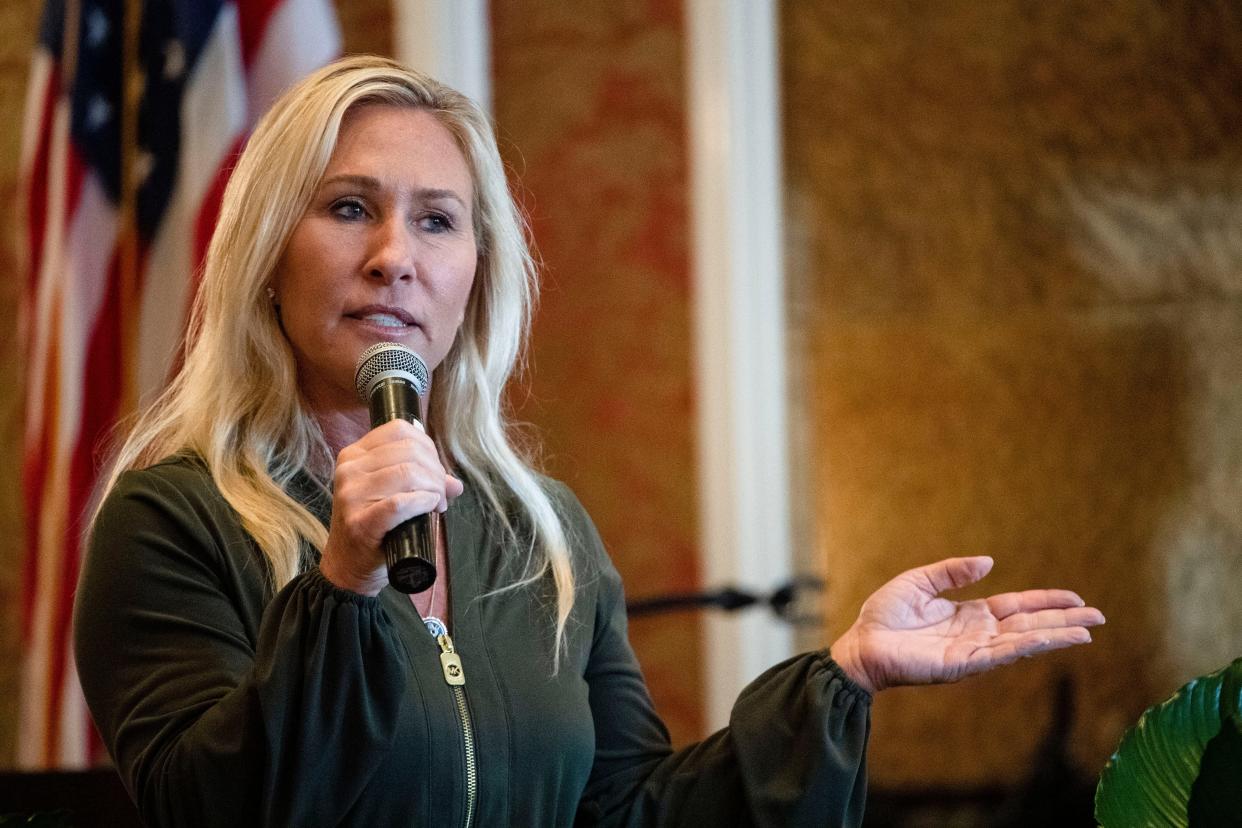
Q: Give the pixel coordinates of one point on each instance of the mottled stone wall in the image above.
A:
(1016, 283)
(590, 107)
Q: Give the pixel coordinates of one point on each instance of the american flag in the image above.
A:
(135, 112)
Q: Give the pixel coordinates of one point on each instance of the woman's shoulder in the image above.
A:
(561, 497)
(184, 474)
(569, 508)
(185, 467)
(170, 517)
(590, 553)
(179, 488)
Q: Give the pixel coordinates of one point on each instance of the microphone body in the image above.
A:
(391, 379)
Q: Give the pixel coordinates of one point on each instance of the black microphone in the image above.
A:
(390, 379)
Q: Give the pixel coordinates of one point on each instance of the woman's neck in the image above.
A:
(342, 427)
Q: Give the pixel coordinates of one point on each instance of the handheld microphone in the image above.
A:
(390, 379)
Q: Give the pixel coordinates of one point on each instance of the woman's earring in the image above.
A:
(271, 294)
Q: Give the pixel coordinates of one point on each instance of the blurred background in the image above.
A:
(1012, 286)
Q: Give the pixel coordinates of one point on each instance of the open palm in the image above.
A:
(907, 634)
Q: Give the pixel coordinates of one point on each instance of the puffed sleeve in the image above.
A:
(219, 706)
(793, 754)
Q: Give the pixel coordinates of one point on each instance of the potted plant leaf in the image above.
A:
(1181, 765)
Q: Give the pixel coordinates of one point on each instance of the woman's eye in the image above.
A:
(436, 222)
(348, 208)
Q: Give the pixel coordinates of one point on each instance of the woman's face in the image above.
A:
(384, 253)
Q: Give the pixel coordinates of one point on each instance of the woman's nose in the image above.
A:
(392, 252)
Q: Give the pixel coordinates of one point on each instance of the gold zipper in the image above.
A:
(455, 677)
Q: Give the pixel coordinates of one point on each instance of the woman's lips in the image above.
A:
(384, 317)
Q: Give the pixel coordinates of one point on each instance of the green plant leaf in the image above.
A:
(1147, 781)
(1216, 796)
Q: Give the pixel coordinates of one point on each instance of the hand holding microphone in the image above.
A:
(388, 483)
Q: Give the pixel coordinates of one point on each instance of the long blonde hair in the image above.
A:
(235, 401)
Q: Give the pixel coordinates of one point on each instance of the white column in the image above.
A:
(449, 40)
(740, 349)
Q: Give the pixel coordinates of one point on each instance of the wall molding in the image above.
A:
(449, 40)
(739, 303)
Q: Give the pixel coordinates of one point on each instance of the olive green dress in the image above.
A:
(225, 705)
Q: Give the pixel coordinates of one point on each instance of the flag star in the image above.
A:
(174, 60)
(98, 113)
(144, 162)
(97, 27)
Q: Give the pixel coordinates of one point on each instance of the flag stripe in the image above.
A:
(36, 147)
(74, 745)
(102, 385)
(41, 359)
(207, 68)
(88, 259)
(252, 19)
(214, 99)
(205, 221)
(275, 69)
(31, 748)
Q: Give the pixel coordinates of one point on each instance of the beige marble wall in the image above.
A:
(1017, 299)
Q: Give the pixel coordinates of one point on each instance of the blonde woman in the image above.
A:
(241, 655)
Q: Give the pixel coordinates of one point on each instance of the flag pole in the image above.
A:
(69, 45)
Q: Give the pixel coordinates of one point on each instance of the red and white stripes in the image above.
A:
(72, 318)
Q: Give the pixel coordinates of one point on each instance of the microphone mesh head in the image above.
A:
(387, 359)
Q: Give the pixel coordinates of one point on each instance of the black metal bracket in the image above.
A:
(794, 602)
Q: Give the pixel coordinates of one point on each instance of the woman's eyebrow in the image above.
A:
(433, 193)
(366, 182)
(371, 184)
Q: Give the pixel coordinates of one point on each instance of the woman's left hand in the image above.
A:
(907, 634)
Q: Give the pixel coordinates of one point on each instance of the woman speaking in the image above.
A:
(241, 653)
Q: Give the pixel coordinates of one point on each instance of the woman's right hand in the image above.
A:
(389, 476)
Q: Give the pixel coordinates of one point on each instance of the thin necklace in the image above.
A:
(434, 625)
(430, 615)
